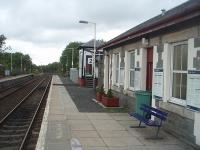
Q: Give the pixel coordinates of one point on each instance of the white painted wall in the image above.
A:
(126, 73)
(105, 79)
(196, 127)
(166, 55)
(192, 53)
(143, 62)
(112, 69)
(80, 63)
(155, 60)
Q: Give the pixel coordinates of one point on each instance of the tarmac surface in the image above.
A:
(64, 127)
(82, 97)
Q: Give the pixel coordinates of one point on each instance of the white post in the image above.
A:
(72, 58)
(94, 57)
(21, 63)
(11, 63)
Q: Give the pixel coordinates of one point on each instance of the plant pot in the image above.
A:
(110, 102)
(81, 82)
(98, 96)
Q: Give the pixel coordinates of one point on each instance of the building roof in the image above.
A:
(180, 13)
(90, 44)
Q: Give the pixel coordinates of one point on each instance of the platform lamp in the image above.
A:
(94, 55)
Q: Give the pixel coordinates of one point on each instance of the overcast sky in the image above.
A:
(42, 28)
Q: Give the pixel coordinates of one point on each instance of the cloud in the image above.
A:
(52, 24)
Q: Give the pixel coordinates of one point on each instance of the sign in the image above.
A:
(157, 90)
(89, 60)
(193, 88)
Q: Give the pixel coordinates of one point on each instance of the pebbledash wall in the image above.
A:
(184, 115)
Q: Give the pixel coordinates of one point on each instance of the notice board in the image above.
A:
(193, 88)
(157, 91)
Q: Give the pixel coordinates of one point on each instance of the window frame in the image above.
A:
(172, 99)
(132, 88)
(117, 81)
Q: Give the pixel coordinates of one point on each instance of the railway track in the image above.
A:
(11, 99)
(19, 124)
(12, 89)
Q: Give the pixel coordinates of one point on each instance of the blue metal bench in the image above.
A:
(147, 112)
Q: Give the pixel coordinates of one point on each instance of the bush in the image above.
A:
(109, 94)
(102, 90)
(97, 89)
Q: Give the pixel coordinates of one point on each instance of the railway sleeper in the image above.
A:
(6, 136)
(9, 143)
(15, 127)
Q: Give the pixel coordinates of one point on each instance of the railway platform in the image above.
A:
(13, 80)
(5, 79)
(65, 128)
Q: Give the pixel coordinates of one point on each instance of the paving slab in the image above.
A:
(99, 116)
(122, 141)
(85, 134)
(114, 133)
(64, 127)
(107, 125)
(92, 142)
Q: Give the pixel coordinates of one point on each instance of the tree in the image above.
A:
(2, 42)
(66, 57)
(54, 67)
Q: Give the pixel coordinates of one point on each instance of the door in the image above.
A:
(88, 67)
(149, 69)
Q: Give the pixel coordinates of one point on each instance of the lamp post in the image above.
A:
(21, 63)
(11, 68)
(94, 55)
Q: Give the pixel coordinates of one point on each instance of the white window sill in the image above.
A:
(131, 89)
(177, 101)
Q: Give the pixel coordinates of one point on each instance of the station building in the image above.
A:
(161, 55)
(86, 51)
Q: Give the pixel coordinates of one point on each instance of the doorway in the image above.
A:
(149, 70)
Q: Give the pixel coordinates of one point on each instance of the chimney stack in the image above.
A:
(163, 12)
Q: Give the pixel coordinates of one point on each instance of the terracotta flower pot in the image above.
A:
(98, 96)
(110, 102)
(81, 82)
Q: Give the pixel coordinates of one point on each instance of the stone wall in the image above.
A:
(126, 101)
(100, 72)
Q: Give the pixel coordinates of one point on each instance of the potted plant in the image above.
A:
(109, 100)
(99, 93)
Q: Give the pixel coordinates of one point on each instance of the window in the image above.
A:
(117, 69)
(179, 73)
(131, 69)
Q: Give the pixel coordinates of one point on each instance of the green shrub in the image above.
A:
(102, 90)
(97, 89)
(109, 94)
